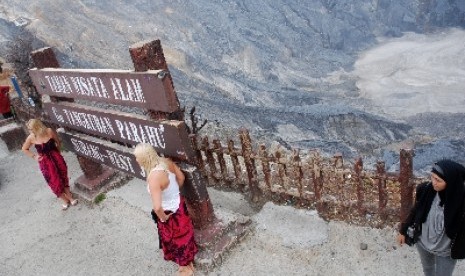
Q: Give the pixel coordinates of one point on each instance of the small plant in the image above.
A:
(99, 198)
(194, 119)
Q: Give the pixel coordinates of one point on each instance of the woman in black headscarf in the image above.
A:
(437, 221)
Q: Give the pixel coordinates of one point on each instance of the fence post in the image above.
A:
(148, 55)
(282, 176)
(358, 167)
(45, 58)
(198, 153)
(210, 158)
(317, 177)
(338, 161)
(338, 165)
(406, 182)
(236, 165)
(265, 165)
(298, 174)
(381, 176)
(249, 163)
(218, 148)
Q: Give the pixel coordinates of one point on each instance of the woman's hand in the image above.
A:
(166, 217)
(37, 157)
(400, 239)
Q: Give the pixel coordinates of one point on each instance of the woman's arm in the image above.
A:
(420, 189)
(180, 177)
(27, 145)
(156, 180)
(55, 137)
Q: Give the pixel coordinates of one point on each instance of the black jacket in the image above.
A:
(424, 198)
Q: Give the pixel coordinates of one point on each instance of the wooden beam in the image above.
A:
(169, 138)
(151, 89)
(103, 152)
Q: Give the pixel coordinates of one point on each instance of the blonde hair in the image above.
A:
(148, 157)
(36, 127)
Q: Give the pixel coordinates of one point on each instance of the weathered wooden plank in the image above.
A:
(151, 89)
(110, 154)
(169, 138)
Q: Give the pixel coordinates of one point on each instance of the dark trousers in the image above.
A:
(435, 265)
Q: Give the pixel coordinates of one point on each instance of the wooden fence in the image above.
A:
(337, 189)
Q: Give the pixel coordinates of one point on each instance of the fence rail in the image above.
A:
(337, 189)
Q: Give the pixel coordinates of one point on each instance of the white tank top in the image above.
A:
(170, 196)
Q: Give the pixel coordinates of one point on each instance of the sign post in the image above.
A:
(149, 55)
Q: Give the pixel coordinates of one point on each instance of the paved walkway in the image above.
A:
(117, 237)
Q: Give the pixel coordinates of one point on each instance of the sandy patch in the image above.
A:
(415, 74)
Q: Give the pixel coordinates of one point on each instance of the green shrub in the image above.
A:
(99, 198)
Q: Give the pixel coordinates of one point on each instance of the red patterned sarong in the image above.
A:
(53, 167)
(177, 237)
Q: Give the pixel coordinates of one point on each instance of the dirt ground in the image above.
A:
(117, 237)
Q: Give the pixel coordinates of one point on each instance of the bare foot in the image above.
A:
(185, 271)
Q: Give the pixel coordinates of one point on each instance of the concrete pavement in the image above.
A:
(117, 237)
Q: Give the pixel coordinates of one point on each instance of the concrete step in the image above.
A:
(218, 239)
(88, 190)
(12, 136)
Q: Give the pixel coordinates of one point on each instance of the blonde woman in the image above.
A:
(175, 229)
(51, 162)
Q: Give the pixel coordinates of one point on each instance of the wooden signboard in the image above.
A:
(150, 89)
(169, 138)
(115, 156)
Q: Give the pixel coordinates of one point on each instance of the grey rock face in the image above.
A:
(271, 66)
